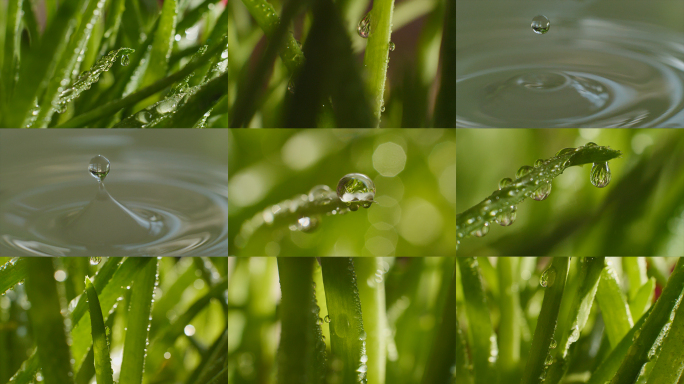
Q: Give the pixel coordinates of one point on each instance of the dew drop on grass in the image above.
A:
(307, 224)
(600, 174)
(99, 167)
(320, 194)
(327, 319)
(591, 144)
(522, 171)
(507, 216)
(355, 187)
(364, 27)
(481, 231)
(553, 344)
(540, 24)
(391, 46)
(125, 60)
(548, 277)
(574, 334)
(548, 360)
(95, 260)
(538, 163)
(565, 151)
(506, 181)
(543, 192)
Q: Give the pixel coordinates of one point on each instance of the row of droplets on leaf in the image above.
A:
(541, 175)
(353, 190)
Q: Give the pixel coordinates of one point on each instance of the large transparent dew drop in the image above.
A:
(600, 174)
(540, 24)
(507, 216)
(125, 60)
(99, 167)
(355, 187)
(364, 27)
(543, 192)
(506, 181)
(522, 171)
(548, 277)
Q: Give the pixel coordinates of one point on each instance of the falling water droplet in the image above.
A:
(543, 192)
(522, 171)
(99, 167)
(355, 187)
(391, 46)
(327, 319)
(364, 27)
(565, 151)
(95, 260)
(320, 194)
(540, 24)
(548, 277)
(125, 60)
(600, 174)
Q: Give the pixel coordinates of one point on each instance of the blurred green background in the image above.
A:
(416, 199)
(640, 213)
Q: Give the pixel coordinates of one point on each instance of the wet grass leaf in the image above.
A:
(102, 360)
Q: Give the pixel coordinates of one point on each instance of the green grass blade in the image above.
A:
(462, 370)
(116, 105)
(614, 306)
(112, 25)
(161, 45)
(635, 270)
(606, 370)
(376, 56)
(39, 67)
(372, 296)
(642, 298)
(297, 350)
(347, 334)
(102, 360)
(478, 218)
(67, 63)
(479, 322)
(670, 363)
(509, 330)
(445, 110)
(546, 325)
(637, 355)
(197, 105)
(214, 363)
(13, 272)
(27, 373)
(135, 344)
(48, 323)
(11, 53)
(443, 354)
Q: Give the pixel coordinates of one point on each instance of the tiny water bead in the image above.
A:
(600, 174)
(553, 344)
(507, 216)
(391, 46)
(522, 171)
(540, 24)
(364, 27)
(320, 194)
(95, 260)
(565, 151)
(506, 181)
(99, 167)
(356, 187)
(125, 60)
(548, 277)
(543, 192)
(327, 319)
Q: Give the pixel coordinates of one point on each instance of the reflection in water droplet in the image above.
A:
(553, 344)
(565, 151)
(327, 319)
(591, 144)
(548, 277)
(307, 224)
(548, 360)
(540, 24)
(482, 231)
(364, 27)
(600, 174)
(507, 216)
(95, 260)
(391, 46)
(538, 163)
(99, 167)
(506, 181)
(355, 187)
(125, 60)
(320, 194)
(543, 192)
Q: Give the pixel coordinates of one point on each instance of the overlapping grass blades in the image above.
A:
(102, 359)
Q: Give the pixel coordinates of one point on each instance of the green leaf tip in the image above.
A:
(535, 182)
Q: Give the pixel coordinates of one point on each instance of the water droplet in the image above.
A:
(291, 86)
(574, 334)
(355, 187)
(362, 336)
(362, 368)
(548, 360)
(327, 319)
(548, 277)
(522, 171)
(364, 27)
(591, 144)
(565, 151)
(382, 109)
(507, 216)
(506, 181)
(320, 194)
(95, 260)
(600, 174)
(538, 163)
(543, 192)
(553, 344)
(307, 224)
(99, 167)
(540, 24)
(482, 231)
(125, 60)
(391, 46)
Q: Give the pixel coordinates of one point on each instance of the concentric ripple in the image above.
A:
(585, 73)
(184, 198)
